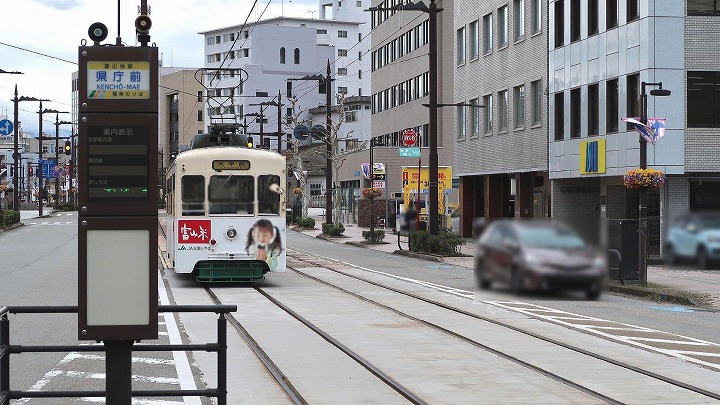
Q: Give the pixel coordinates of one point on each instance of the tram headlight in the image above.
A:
(231, 233)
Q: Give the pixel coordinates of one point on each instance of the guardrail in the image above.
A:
(6, 349)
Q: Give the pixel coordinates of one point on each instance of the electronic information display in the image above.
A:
(117, 162)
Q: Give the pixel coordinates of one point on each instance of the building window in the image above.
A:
(559, 23)
(502, 110)
(342, 71)
(592, 17)
(460, 51)
(342, 52)
(536, 16)
(342, 34)
(296, 59)
(359, 74)
(633, 97)
(358, 3)
(702, 7)
(611, 14)
(593, 123)
(288, 88)
(461, 122)
(282, 55)
(559, 116)
(519, 106)
(574, 20)
(611, 105)
(474, 43)
(575, 113)
(488, 114)
(200, 96)
(633, 10)
(703, 95)
(343, 90)
(502, 26)
(487, 33)
(519, 19)
(246, 53)
(200, 115)
(474, 118)
(321, 31)
(536, 89)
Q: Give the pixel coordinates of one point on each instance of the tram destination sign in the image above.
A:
(231, 165)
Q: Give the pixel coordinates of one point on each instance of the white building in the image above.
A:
(272, 51)
(599, 54)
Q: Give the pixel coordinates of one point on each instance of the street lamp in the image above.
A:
(642, 209)
(57, 159)
(16, 152)
(328, 143)
(432, 12)
(41, 186)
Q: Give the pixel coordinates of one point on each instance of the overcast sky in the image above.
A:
(56, 27)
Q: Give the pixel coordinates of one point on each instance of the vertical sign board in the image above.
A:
(117, 193)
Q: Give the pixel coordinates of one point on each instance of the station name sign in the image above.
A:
(125, 80)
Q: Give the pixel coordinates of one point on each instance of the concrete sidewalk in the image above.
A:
(703, 286)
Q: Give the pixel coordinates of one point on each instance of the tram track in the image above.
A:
(466, 339)
(280, 378)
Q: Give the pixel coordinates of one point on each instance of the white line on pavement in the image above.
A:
(182, 365)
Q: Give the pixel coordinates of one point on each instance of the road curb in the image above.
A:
(11, 227)
(416, 255)
(653, 295)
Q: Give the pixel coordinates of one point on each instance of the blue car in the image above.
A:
(696, 237)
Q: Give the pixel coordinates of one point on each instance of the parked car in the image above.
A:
(694, 236)
(539, 255)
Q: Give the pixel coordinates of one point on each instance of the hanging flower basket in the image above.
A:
(371, 192)
(644, 179)
(297, 191)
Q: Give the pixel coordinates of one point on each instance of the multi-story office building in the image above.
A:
(400, 86)
(181, 110)
(272, 51)
(501, 147)
(600, 52)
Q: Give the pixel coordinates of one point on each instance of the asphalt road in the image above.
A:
(686, 321)
(39, 267)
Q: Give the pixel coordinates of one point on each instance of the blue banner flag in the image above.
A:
(652, 131)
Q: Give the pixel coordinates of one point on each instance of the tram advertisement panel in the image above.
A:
(218, 238)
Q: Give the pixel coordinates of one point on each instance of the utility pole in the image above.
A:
(279, 119)
(329, 149)
(433, 158)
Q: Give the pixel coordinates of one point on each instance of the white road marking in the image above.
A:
(629, 340)
(182, 365)
(450, 290)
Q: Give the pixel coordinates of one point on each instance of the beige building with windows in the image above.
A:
(180, 111)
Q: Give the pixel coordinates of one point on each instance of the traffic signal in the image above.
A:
(68, 148)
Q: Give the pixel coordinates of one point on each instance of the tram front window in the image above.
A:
(231, 194)
(193, 195)
(268, 200)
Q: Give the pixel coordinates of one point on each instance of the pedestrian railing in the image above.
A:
(219, 347)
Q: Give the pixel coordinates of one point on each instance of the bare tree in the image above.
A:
(337, 158)
(291, 123)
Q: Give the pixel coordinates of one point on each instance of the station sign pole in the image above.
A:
(118, 200)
